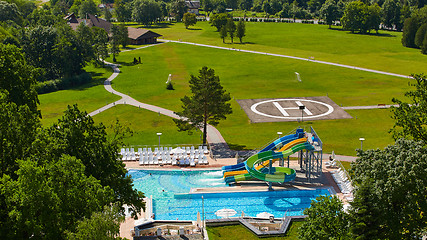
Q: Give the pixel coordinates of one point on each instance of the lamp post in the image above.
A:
(279, 133)
(159, 134)
(361, 143)
(302, 107)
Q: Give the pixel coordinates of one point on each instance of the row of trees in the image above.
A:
(227, 27)
(56, 182)
(390, 185)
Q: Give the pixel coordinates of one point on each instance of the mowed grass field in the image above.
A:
(247, 76)
(380, 52)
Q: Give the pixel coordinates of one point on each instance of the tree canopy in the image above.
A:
(208, 103)
(411, 117)
(397, 180)
(189, 19)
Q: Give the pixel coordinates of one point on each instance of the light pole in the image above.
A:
(159, 134)
(279, 133)
(361, 143)
(302, 107)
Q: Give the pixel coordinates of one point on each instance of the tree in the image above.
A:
(410, 27)
(189, 19)
(48, 199)
(101, 225)
(364, 223)
(373, 18)
(354, 16)
(178, 8)
(241, 30)
(9, 11)
(114, 41)
(17, 77)
(146, 11)
(399, 180)
(88, 7)
(329, 12)
(77, 135)
(420, 35)
(209, 103)
(107, 14)
(123, 11)
(100, 46)
(124, 35)
(391, 13)
(223, 33)
(86, 39)
(411, 118)
(231, 28)
(218, 20)
(326, 220)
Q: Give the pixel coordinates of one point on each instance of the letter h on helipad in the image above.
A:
(286, 114)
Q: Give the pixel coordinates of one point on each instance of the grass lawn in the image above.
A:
(145, 125)
(89, 97)
(240, 232)
(380, 52)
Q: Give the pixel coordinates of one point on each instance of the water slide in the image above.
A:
(275, 174)
(266, 164)
(277, 144)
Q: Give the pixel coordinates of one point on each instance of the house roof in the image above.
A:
(140, 33)
(92, 21)
(193, 4)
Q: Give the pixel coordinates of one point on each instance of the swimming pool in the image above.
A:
(177, 203)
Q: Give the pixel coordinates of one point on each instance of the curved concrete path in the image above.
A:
(213, 135)
(291, 57)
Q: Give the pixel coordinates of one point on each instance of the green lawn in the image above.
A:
(240, 232)
(145, 125)
(380, 52)
(89, 97)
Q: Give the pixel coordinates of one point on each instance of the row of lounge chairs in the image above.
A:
(129, 154)
(174, 161)
(343, 183)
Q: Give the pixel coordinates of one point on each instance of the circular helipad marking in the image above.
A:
(294, 101)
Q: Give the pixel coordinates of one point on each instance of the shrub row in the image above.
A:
(63, 83)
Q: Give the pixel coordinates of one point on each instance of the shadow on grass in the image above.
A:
(194, 29)
(368, 34)
(237, 147)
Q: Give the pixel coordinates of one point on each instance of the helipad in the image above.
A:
(292, 109)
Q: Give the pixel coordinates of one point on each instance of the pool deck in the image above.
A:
(300, 183)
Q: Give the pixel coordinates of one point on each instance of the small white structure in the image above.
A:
(297, 76)
(169, 79)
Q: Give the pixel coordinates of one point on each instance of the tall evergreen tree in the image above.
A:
(208, 103)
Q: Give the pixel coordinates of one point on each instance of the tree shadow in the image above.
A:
(358, 33)
(194, 29)
(158, 26)
(237, 147)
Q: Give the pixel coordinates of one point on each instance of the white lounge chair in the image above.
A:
(205, 150)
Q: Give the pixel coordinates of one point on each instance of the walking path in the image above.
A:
(291, 57)
(213, 135)
(370, 107)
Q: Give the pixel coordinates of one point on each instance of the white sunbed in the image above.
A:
(205, 150)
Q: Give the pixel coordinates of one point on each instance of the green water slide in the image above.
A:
(275, 174)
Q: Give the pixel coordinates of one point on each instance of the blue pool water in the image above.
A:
(177, 203)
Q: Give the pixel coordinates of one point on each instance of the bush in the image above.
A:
(64, 83)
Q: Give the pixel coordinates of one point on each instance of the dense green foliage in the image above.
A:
(414, 30)
(189, 19)
(410, 117)
(209, 103)
(396, 178)
(326, 220)
(240, 30)
(52, 178)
